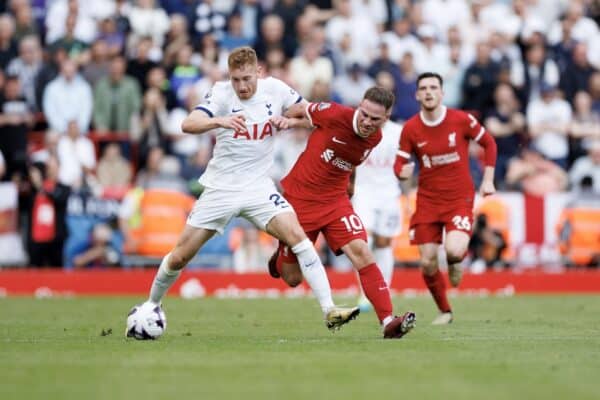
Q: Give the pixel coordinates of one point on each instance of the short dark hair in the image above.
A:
(430, 75)
(380, 95)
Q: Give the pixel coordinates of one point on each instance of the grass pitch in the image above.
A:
(497, 348)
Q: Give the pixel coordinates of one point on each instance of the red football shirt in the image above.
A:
(442, 150)
(322, 171)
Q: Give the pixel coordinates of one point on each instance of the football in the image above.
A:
(146, 321)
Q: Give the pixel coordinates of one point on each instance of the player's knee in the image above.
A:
(177, 260)
(455, 254)
(429, 265)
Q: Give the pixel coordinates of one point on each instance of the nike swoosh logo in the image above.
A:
(233, 110)
(421, 144)
(338, 141)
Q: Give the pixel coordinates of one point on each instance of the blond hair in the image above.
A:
(242, 56)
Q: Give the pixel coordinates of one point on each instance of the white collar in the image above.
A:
(437, 121)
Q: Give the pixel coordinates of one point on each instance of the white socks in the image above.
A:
(163, 280)
(384, 258)
(314, 273)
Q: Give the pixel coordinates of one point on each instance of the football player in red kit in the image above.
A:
(439, 137)
(317, 188)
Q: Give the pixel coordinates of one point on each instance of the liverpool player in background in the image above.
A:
(317, 189)
(439, 137)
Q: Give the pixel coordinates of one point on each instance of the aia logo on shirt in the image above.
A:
(327, 155)
(452, 139)
(258, 132)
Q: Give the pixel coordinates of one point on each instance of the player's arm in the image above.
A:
(199, 121)
(403, 166)
(479, 134)
(294, 117)
(350, 188)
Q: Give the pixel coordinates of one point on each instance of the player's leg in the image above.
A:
(211, 213)
(428, 237)
(458, 226)
(189, 243)
(287, 229)
(384, 256)
(456, 245)
(375, 288)
(271, 212)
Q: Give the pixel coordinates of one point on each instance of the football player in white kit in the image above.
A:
(236, 180)
(376, 192)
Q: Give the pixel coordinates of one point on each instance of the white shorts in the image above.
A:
(381, 216)
(258, 203)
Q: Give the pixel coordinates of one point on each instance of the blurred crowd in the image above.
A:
(92, 95)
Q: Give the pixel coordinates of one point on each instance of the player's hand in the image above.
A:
(487, 188)
(236, 122)
(407, 170)
(281, 122)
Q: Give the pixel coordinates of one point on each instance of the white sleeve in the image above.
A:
(214, 101)
(287, 95)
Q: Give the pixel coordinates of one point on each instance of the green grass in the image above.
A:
(498, 348)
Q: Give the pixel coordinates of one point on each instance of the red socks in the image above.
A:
(437, 287)
(376, 290)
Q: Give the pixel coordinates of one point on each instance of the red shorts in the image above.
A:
(338, 222)
(428, 222)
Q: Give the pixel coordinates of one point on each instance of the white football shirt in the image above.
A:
(375, 175)
(240, 158)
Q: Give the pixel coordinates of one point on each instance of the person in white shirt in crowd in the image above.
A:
(68, 98)
(549, 119)
(76, 156)
(355, 34)
(309, 66)
(147, 20)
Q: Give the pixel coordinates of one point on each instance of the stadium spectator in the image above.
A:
(531, 173)
(400, 39)
(84, 25)
(177, 37)
(27, 66)
(350, 86)
(253, 14)
(271, 36)
(68, 98)
(2, 166)
(577, 73)
(48, 204)
(15, 121)
(8, 43)
(406, 106)
(112, 35)
(506, 123)
(147, 20)
(117, 98)
(114, 170)
(100, 252)
(76, 49)
(548, 120)
(25, 24)
(151, 126)
(157, 79)
(536, 71)
(480, 80)
(99, 65)
(309, 66)
(585, 125)
(76, 157)
(141, 63)
(587, 166)
(184, 74)
(594, 89)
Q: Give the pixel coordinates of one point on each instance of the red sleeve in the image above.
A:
(476, 131)
(320, 113)
(404, 151)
